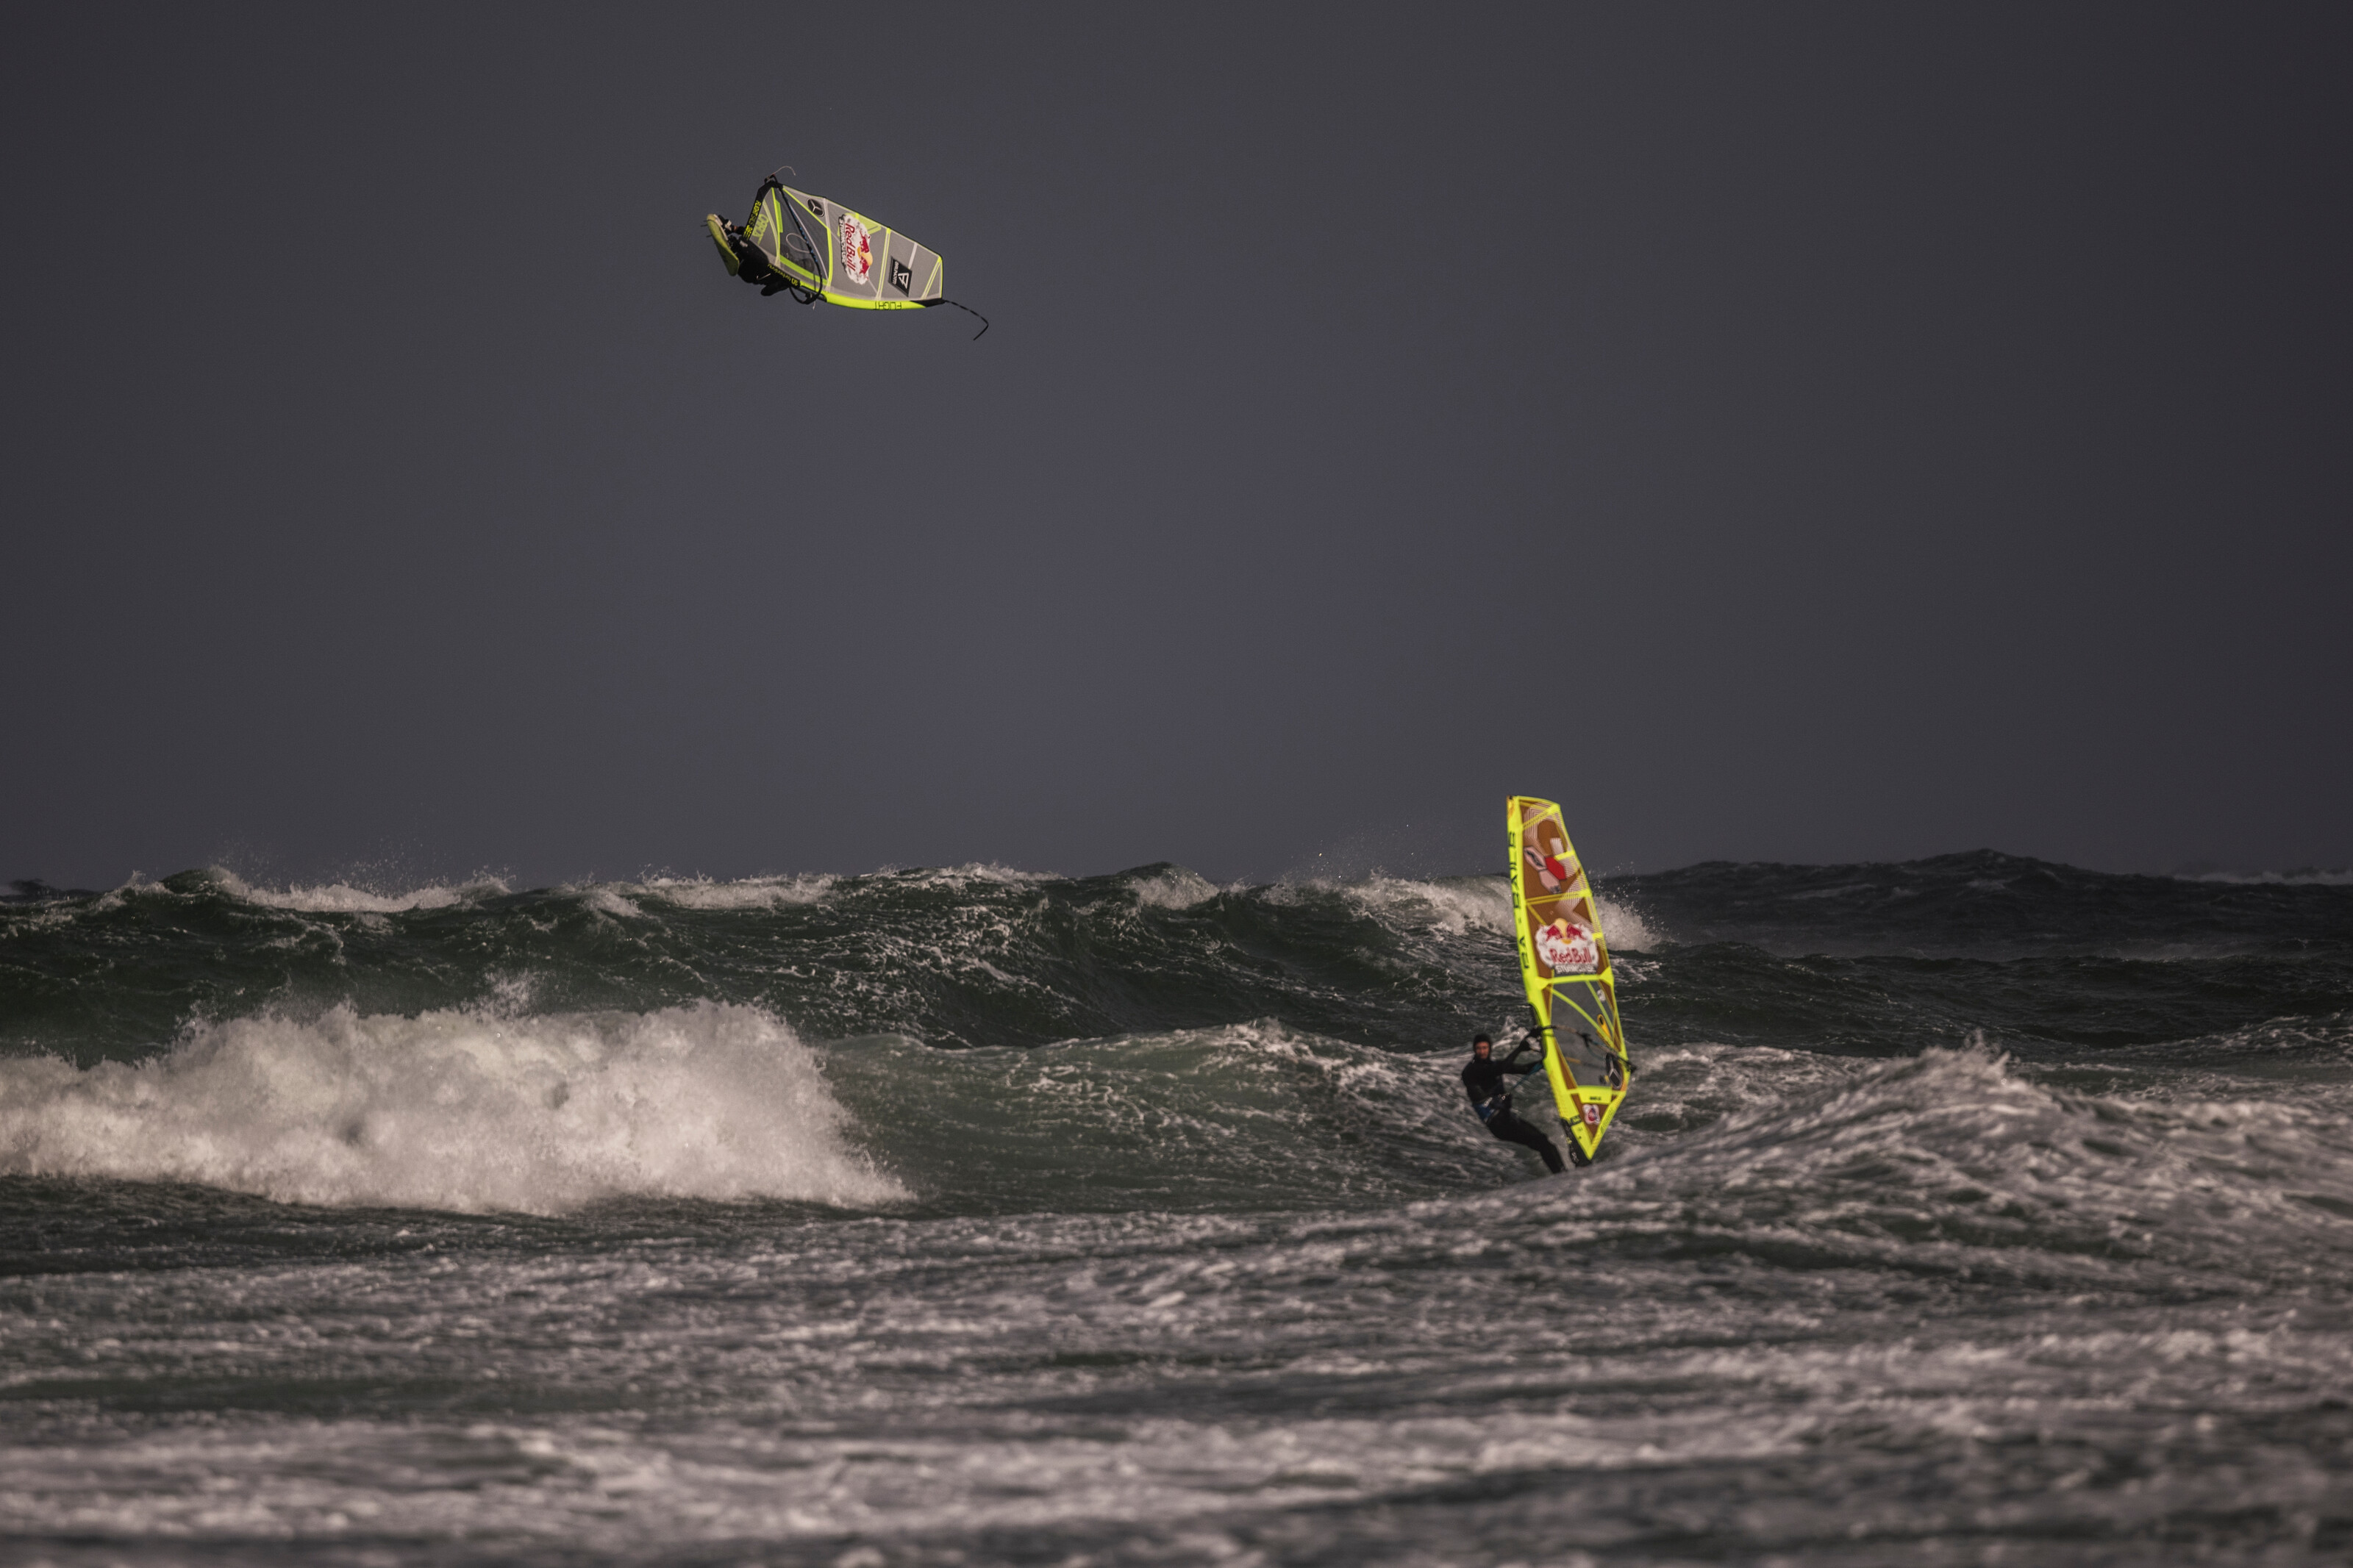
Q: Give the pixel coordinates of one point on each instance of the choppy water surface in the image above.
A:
(1971, 1210)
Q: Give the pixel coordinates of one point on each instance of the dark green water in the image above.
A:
(1967, 1210)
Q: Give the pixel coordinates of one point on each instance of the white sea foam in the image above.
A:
(606, 900)
(964, 876)
(1452, 905)
(1456, 904)
(341, 897)
(1175, 889)
(1625, 926)
(2069, 1173)
(611, 897)
(459, 1109)
(2314, 876)
(749, 893)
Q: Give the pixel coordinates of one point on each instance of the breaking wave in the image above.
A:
(461, 1110)
(343, 898)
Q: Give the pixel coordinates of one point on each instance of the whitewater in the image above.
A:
(1971, 1210)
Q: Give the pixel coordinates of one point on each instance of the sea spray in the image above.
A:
(466, 1110)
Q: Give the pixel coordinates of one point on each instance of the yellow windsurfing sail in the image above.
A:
(1565, 963)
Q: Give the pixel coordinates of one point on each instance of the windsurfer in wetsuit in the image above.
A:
(1482, 1080)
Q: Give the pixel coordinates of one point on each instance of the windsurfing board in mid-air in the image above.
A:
(1565, 964)
(815, 249)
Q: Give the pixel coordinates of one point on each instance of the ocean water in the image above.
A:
(1972, 1210)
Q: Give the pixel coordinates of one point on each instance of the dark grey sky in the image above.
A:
(1793, 432)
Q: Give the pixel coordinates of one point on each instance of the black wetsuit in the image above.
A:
(1483, 1082)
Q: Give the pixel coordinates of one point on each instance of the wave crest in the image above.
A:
(455, 1109)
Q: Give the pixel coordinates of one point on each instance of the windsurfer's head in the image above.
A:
(1480, 1045)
